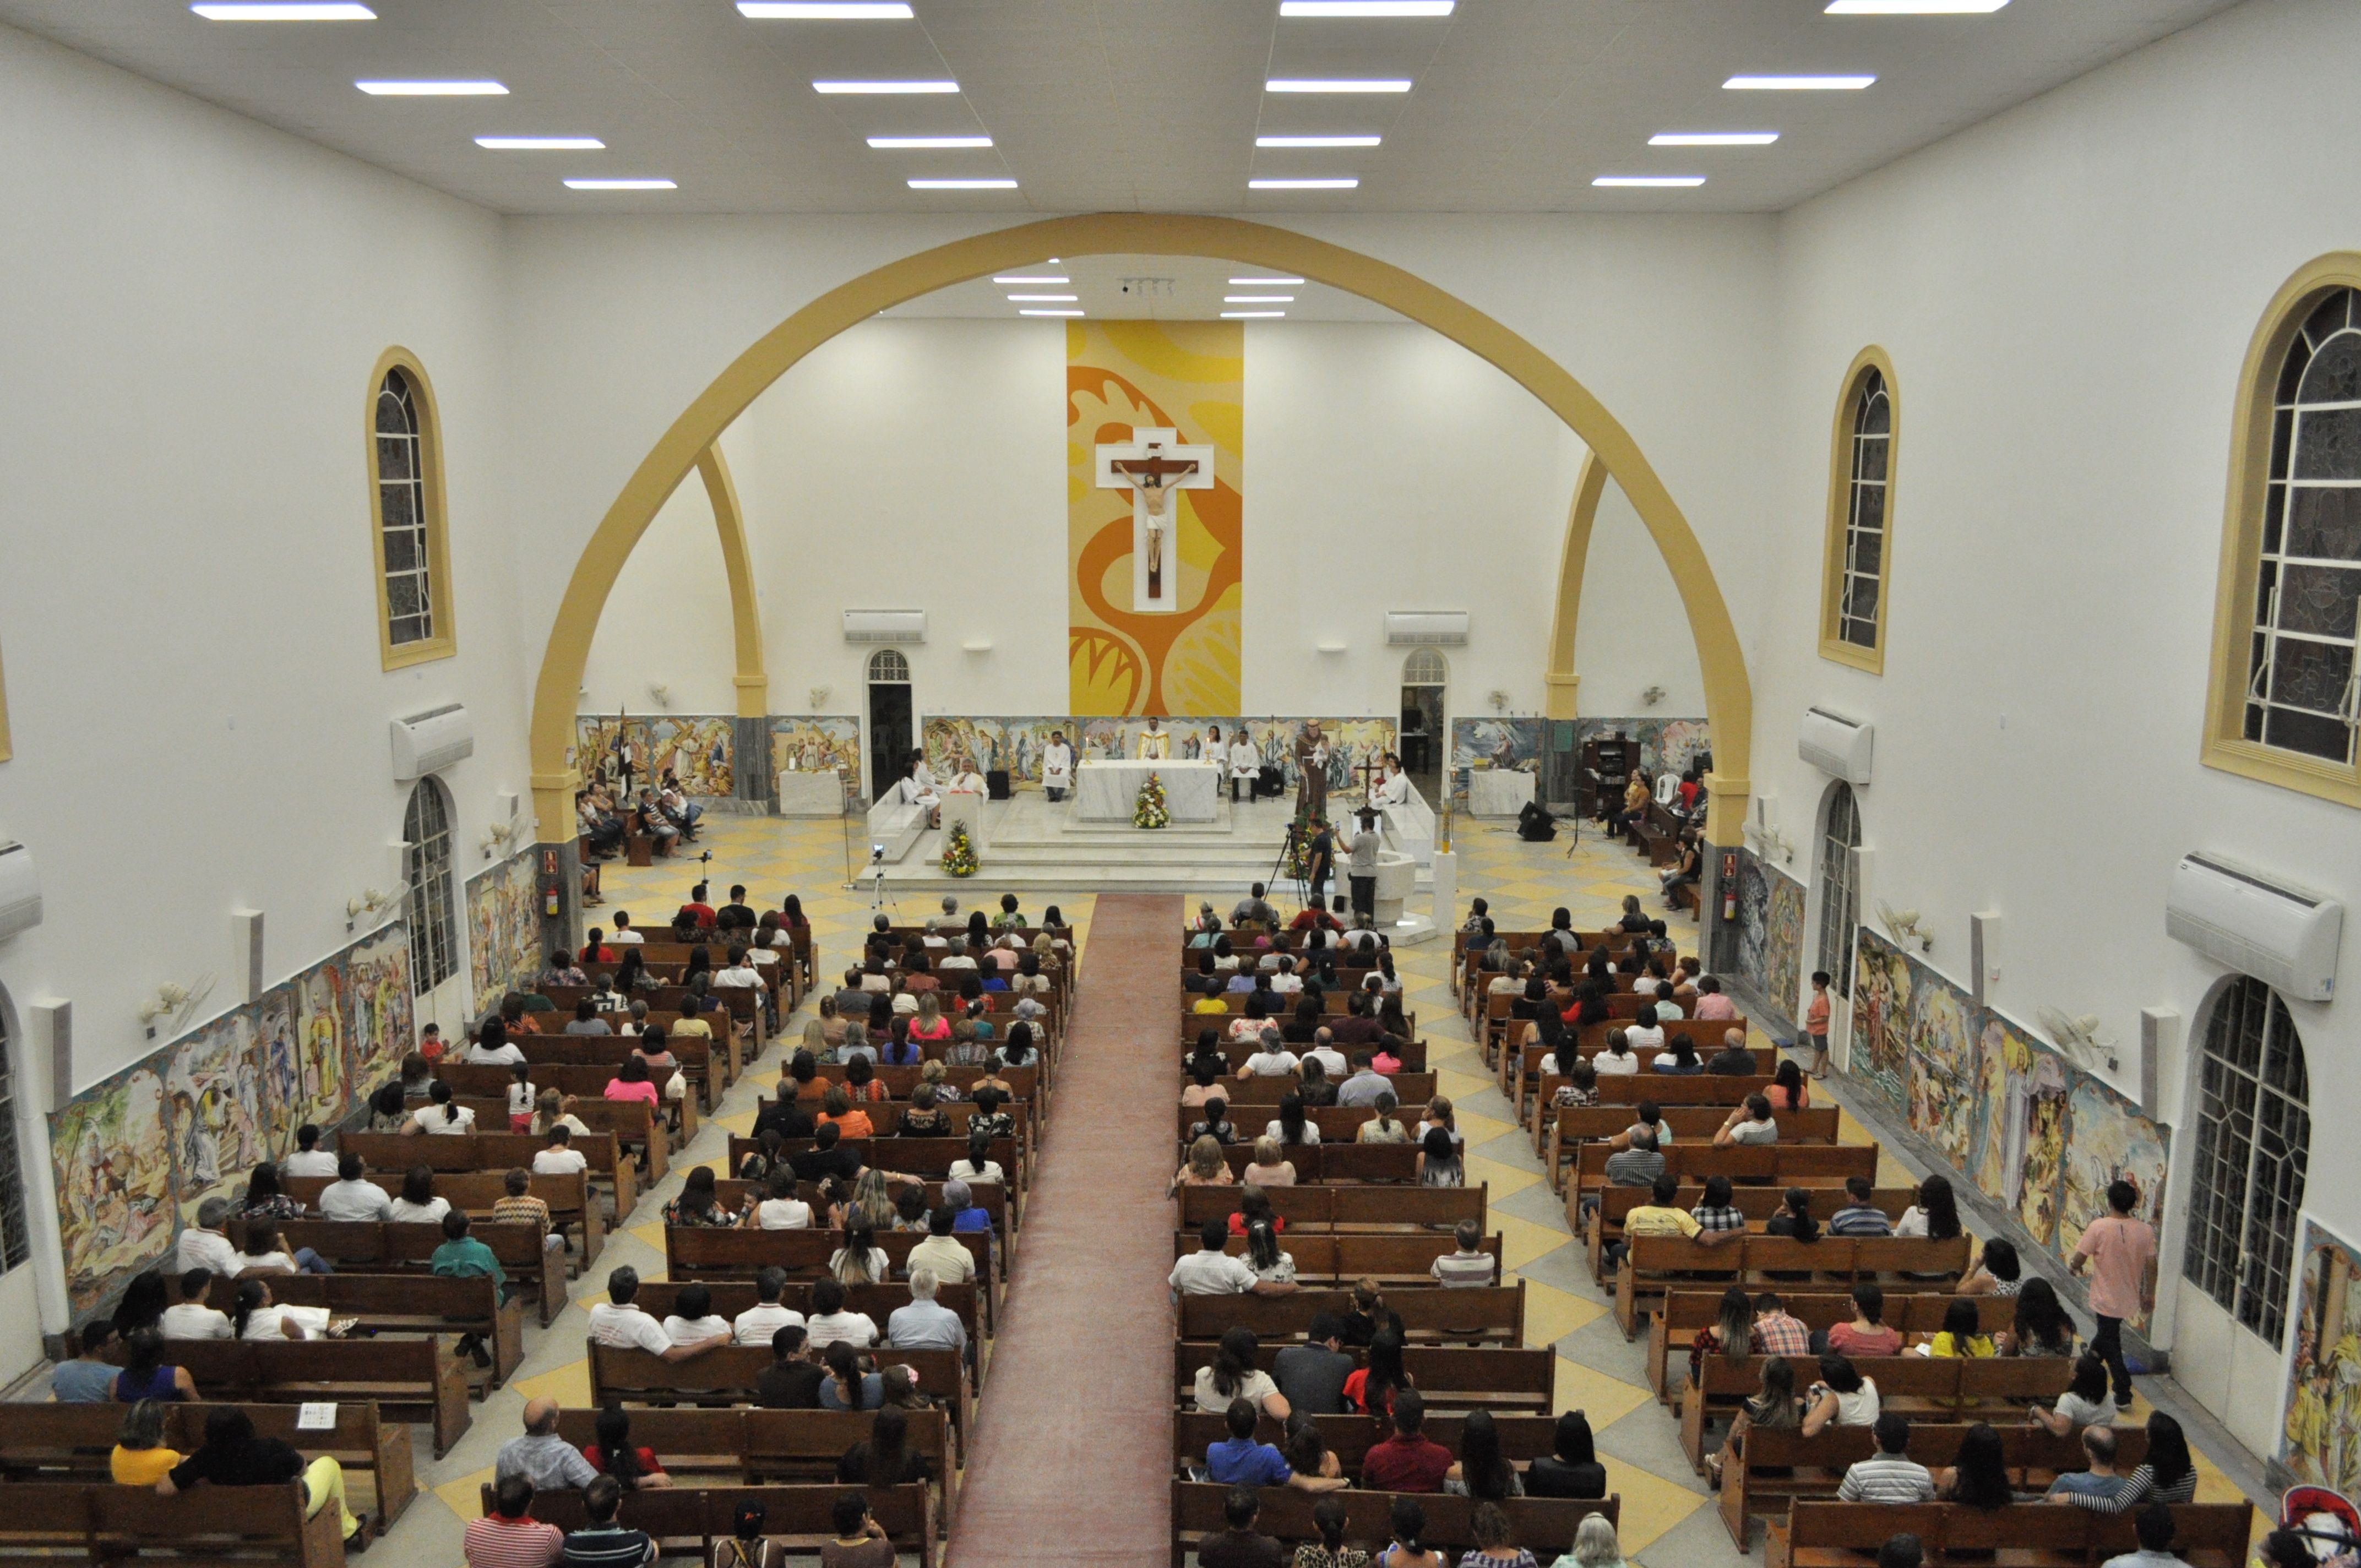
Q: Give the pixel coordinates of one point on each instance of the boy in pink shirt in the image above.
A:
(2121, 1253)
(1816, 1024)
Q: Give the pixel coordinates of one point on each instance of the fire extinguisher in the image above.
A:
(1728, 886)
(549, 901)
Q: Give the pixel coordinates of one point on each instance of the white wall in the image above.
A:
(1386, 469)
(2068, 292)
(198, 711)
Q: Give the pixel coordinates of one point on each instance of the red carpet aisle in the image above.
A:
(1074, 1459)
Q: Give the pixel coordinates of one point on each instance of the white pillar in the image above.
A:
(1446, 890)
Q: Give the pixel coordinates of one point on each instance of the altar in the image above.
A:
(1108, 791)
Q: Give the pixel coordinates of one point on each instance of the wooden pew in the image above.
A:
(1351, 1436)
(694, 1253)
(1350, 1207)
(1832, 1534)
(418, 1376)
(506, 1152)
(695, 1054)
(687, 1520)
(1675, 1322)
(1500, 1378)
(1796, 1164)
(571, 1207)
(1409, 1088)
(1333, 1124)
(725, 1376)
(989, 1197)
(1757, 1203)
(405, 1304)
(387, 1246)
(1544, 1526)
(927, 1158)
(1341, 1257)
(754, 1447)
(731, 1296)
(1493, 1315)
(1412, 1053)
(1770, 1469)
(1949, 1388)
(478, 1087)
(1653, 1261)
(211, 1526)
(73, 1441)
(1332, 1162)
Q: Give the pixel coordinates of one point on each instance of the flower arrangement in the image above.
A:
(1149, 810)
(960, 858)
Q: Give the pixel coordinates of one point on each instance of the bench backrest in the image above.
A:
(1320, 1208)
(1544, 1526)
(742, 1254)
(1489, 1314)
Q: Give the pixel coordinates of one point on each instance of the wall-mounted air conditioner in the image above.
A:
(20, 889)
(1440, 626)
(2284, 937)
(427, 743)
(884, 626)
(1835, 745)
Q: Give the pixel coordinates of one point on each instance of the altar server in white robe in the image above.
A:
(1155, 742)
(917, 789)
(1393, 789)
(1056, 766)
(1246, 762)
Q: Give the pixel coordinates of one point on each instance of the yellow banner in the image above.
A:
(1187, 377)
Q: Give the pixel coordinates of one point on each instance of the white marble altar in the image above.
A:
(1497, 792)
(803, 793)
(964, 806)
(1106, 792)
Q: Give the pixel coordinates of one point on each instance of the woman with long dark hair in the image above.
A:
(2166, 1475)
(1571, 1468)
(635, 1469)
(1233, 1375)
(1483, 1472)
(1381, 1377)
(2042, 1327)
(1409, 1549)
(1794, 1219)
(1936, 1214)
(885, 1458)
(1979, 1476)
(1292, 1127)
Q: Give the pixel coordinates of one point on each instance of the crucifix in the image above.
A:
(1152, 466)
(1369, 772)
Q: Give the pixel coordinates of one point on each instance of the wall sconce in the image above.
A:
(174, 1004)
(1651, 696)
(1498, 698)
(499, 836)
(371, 902)
(660, 693)
(818, 697)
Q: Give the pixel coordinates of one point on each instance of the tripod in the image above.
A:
(1292, 852)
(880, 900)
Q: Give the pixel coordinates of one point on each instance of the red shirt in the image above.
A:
(1405, 1464)
(704, 913)
(1847, 1340)
(601, 955)
(646, 1456)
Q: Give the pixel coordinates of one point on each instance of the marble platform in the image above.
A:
(1109, 791)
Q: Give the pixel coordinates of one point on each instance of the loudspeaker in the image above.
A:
(995, 784)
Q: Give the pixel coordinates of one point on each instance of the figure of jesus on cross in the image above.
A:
(1151, 466)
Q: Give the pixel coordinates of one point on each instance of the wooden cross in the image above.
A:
(1148, 476)
(1368, 787)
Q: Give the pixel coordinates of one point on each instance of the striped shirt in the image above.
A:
(2138, 1487)
(495, 1542)
(522, 1208)
(1887, 1478)
(1860, 1219)
(1463, 1270)
(1716, 1219)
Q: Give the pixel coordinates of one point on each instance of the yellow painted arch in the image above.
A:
(745, 616)
(1562, 680)
(1729, 697)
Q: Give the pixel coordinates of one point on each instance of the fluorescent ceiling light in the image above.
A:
(1336, 84)
(1301, 184)
(1912, 7)
(432, 88)
(1043, 298)
(885, 87)
(1252, 315)
(621, 185)
(1651, 181)
(1372, 8)
(963, 184)
(1031, 278)
(1713, 139)
(1049, 312)
(1798, 83)
(1318, 141)
(284, 11)
(825, 10)
(1258, 299)
(926, 144)
(1265, 282)
(542, 143)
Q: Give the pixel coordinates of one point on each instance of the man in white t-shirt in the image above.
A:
(308, 1158)
(740, 973)
(830, 1322)
(560, 1158)
(616, 1322)
(350, 1197)
(758, 1322)
(190, 1318)
(1331, 1060)
(1749, 1124)
(1211, 1270)
(622, 935)
(1271, 1058)
(205, 1245)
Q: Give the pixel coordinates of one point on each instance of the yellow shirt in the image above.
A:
(1945, 1345)
(1210, 1004)
(696, 1028)
(140, 1466)
(1651, 1220)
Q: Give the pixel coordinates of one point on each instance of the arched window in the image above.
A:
(888, 664)
(2286, 693)
(2254, 1136)
(1424, 667)
(1839, 899)
(427, 829)
(413, 569)
(1861, 517)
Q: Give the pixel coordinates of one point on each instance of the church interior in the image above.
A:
(1180, 558)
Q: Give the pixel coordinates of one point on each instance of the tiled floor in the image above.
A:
(1666, 1521)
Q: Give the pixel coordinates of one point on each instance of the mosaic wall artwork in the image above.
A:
(135, 1155)
(1188, 377)
(2004, 1109)
(2320, 1440)
(695, 748)
(1492, 743)
(816, 744)
(1018, 743)
(503, 928)
(1770, 932)
(1664, 743)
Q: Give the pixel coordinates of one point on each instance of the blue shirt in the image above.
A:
(82, 1382)
(2082, 1483)
(971, 1219)
(1860, 1219)
(1243, 1462)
